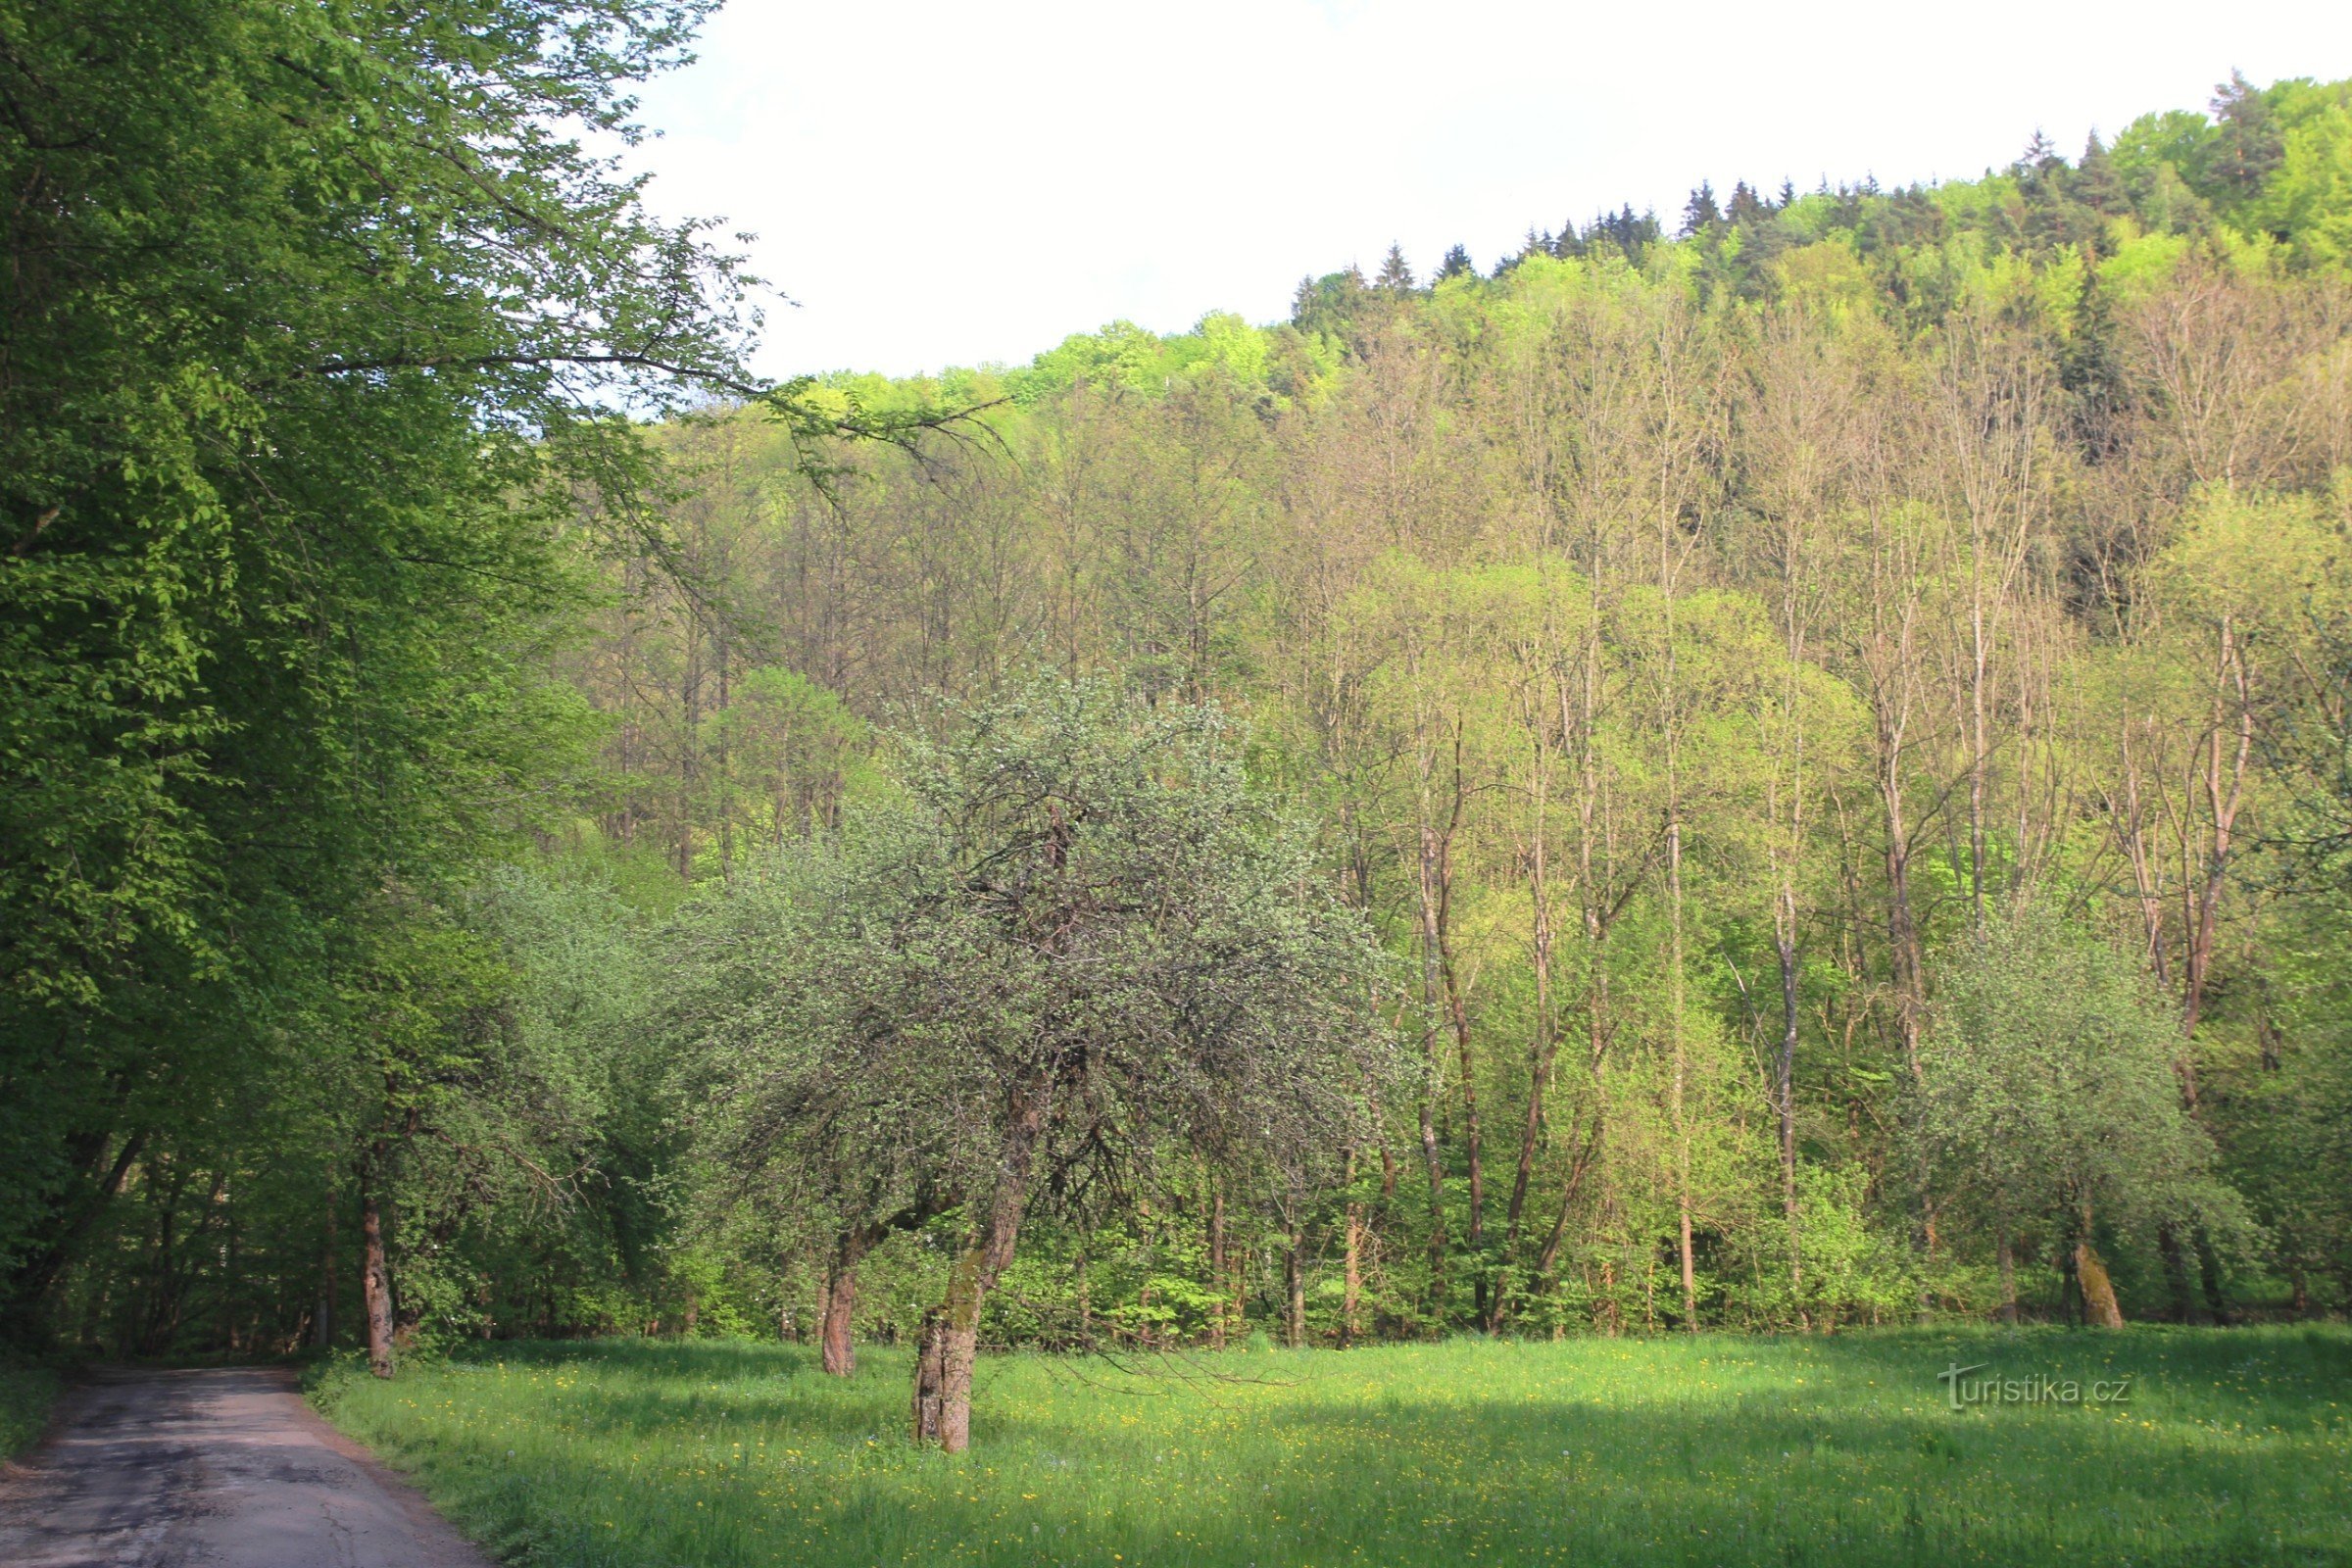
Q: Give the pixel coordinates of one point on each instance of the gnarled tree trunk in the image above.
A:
(995, 1231)
(975, 1274)
(840, 1350)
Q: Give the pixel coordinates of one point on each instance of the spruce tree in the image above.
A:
(1628, 234)
(2248, 147)
(2095, 183)
(1396, 278)
(1303, 305)
(1536, 243)
(1700, 216)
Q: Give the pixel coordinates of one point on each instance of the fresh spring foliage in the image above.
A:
(1074, 950)
(2048, 1092)
(493, 849)
(1697, 652)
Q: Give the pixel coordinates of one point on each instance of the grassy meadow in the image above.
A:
(2232, 1447)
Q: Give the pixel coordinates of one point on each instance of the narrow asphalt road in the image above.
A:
(226, 1467)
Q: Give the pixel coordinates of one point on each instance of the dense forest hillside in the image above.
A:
(1834, 707)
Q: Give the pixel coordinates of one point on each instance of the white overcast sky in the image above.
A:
(953, 184)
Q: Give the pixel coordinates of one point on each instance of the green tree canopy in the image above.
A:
(1076, 942)
(319, 320)
(2048, 1095)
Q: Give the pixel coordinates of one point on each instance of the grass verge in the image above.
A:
(26, 1396)
(2231, 1447)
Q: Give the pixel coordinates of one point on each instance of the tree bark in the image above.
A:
(995, 1231)
(1458, 1014)
(2100, 1308)
(1547, 1260)
(1546, 1041)
(1294, 1279)
(959, 1345)
(1216, 1261)
(1685, 1252)
(2225, 794)
(2130, 827)
(33, 1280)
(840, 1353)
(1785, 1087)
(1439, 983)
(1432, 1163)
(377, 1283)
(1670, 723)
(1903, 931)
(930, 1374)
(1353, 1280)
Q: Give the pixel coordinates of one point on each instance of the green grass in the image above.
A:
(26, 1396)
(2233, 1446)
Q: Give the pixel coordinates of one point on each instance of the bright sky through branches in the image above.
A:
(951, 183)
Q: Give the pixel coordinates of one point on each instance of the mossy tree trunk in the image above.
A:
(2100, 1308)
(996, 1229)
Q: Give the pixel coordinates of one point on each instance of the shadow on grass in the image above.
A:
(1811, 1451)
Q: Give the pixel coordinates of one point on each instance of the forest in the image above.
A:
(1782, 767)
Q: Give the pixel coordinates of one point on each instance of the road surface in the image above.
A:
(198, 1469)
